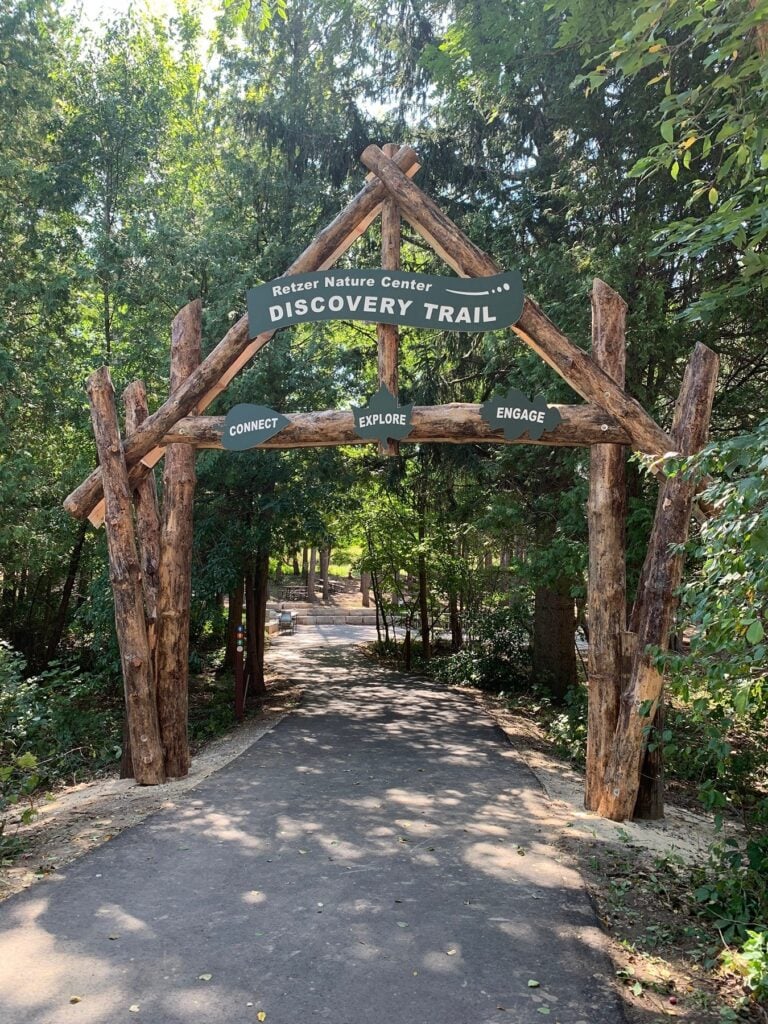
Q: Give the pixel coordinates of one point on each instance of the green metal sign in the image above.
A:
(382, 419)
(246, 425)
(390, 297)
(516, 414)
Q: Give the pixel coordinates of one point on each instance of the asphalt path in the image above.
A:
(382, 855)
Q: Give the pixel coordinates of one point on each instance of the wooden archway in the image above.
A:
(151, 580)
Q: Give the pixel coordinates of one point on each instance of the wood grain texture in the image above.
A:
(236, 349)
(387, 335)
(125, 576)
(656, 601)
(607, 520)
(457, 423)
(573, 364)
(175, 575)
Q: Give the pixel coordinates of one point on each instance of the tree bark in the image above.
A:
(260, 594)
(175, 573)
(325, 561)
(147, 512)
(235, 349)
(311, 575)
(607, 516)
(365, 588)
(533, 327)
(662, 573)
(554, 650)
(387, 334)
(458, 423)
(125, 576)
(57, 630)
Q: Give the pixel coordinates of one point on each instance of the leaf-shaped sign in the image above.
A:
(246, 425)
(516, 414)
(382, 418)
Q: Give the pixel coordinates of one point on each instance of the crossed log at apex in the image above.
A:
(617, 417)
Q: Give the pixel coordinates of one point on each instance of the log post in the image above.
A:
(175, 585)
(125, 576)
(662, 573)
(388, 334)
(606, 515)
(236, 348)
(147, 511)
(536, 329)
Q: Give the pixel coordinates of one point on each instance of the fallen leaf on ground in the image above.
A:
(533, 984)
(134, 1008)
(261, 1015)
(75, 999)
(402, 924)
(451, 952)
(204, 977)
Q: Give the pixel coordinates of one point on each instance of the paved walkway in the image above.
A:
(380, 857)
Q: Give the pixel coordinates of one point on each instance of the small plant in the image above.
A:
(751, 963)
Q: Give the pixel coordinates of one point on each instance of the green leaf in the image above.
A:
(668, 131)
(755, 633)
(713, 196)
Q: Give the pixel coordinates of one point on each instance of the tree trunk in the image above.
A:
(260, 595)
(125, 575)
(311, 575)
(60, 621)
(387, 334)
(554, 648)
(304, 562)
(296, 569)
(607, 515)
(234, 619)
(325, 561)
(365, 588)
(175, 574)
(457, 635)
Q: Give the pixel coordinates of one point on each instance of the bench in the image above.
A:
(286, 622)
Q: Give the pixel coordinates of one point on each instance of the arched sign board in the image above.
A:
(394, 297)
(388, 297)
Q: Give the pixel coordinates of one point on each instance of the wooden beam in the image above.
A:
(147, 512)
(534, 327)
(459, 423)
(607, 520)
(125, 576)
(235, 348)
(661, 576)
(387, 335)
(175, 577)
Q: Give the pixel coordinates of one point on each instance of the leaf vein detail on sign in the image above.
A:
(516, 414)
(387, 296)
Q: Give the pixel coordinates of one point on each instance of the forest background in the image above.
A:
(147, 161)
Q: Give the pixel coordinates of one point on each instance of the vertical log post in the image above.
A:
(174, 590)
(661, 576)
(147, 511)
(606, 514)
(125, 574)
(387, 334)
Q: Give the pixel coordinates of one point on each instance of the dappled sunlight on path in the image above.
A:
(381, 855)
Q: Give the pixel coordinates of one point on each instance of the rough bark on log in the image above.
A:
(125, 576)
(661, 577)
(235, 348)
(387, 335)
(175, 574)
(147, 512)
(606, 514)
(458, 423)
(534, 327)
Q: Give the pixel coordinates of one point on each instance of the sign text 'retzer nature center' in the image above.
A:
(387, 296)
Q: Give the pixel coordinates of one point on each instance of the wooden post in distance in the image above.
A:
(388, 334)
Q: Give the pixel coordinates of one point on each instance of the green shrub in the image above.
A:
(499, 658)
(733, 888)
